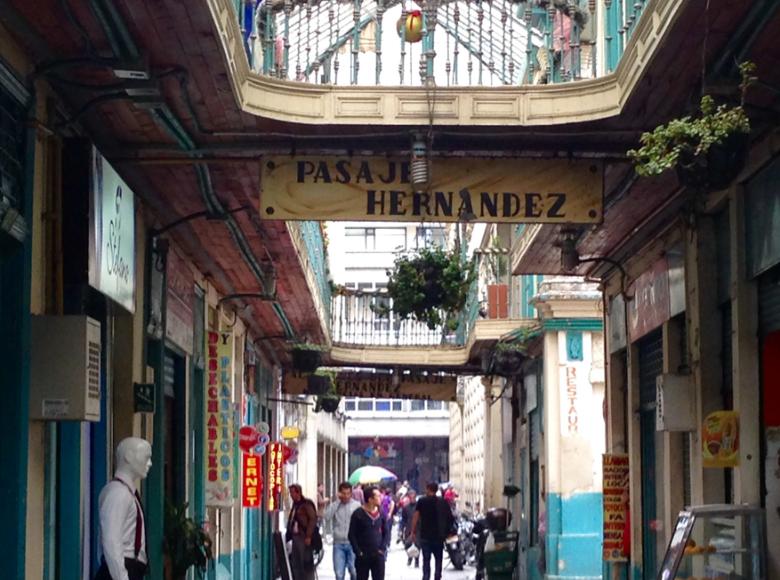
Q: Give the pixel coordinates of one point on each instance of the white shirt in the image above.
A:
(117, 526)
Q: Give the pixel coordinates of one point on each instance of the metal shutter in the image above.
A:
(651, 360)
(769, 302)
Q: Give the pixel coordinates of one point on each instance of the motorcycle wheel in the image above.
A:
(456, 558)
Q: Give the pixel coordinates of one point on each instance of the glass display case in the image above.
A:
(717, 541)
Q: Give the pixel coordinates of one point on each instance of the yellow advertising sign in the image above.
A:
(219, 419)
(373, 385)
(720, 439)
(471, 189)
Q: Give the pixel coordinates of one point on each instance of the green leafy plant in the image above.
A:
(327, 400)
(321, 382)
(707, 150)
(430, 285)
(507, 357)
(306, 357)
(185, 543)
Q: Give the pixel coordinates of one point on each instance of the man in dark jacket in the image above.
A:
(300, 529)
(367, 534)
(431, 523)
(405, 529)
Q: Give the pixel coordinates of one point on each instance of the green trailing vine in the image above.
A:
(184, 541)
(688, 140)
(430, 285)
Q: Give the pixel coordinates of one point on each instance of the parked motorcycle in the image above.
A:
(460, 545)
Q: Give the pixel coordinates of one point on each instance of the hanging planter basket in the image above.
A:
(305, 359)
(507, 360)
(328, 403)
(319, 384)
(716, 169)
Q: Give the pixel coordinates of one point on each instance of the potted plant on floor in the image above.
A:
(430, 285)
(185, 543)
(707, 150)
(306, 357)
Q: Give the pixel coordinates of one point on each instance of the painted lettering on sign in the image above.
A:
(275, 475)
(380, 189)
(219, 419)
(252, 481)
(616, 505)
(572, 416)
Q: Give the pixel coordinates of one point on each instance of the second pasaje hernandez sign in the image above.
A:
(481, 190)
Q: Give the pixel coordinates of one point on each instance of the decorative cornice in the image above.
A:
(534, 105)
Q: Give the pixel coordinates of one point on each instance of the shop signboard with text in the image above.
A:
(616, 521)
(476, 189)
(111, 234)
(275, 475)
(251, 480)
(220, 420)
(434, 387)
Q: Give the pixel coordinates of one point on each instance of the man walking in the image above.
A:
(367, 535)
(300, 530)
(433, 519)
(338, 515)
(405, 528)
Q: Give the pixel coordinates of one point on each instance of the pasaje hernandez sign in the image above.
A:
(482, 190)
(219, 419)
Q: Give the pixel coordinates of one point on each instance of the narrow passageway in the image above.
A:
(396, 568)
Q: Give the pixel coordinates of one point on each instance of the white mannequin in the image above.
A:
(120, 512)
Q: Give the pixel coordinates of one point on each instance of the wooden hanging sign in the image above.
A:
(467, 189)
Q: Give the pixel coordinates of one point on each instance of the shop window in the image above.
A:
(349, 405)
(365, 405)
(381, 405)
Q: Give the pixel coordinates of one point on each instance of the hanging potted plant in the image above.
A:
(507, 358)
(707, 151)
(185, 543)
(328, 400)
(306, 357)
(430, 286)
(320, 382)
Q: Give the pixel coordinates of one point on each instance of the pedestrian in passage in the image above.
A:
(367, 536)
(431, 523)
(338, 516)
(300, 529)
(387, 509)
(405, 527)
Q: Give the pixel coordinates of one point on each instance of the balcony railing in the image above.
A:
(310, 234)
(462, 43)
(355, 321)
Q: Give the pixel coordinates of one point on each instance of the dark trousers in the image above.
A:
(301, 559)
(374, 564)
(136, 570)
(436, 549)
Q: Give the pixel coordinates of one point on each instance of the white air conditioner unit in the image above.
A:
(674, 406)
(65, 369)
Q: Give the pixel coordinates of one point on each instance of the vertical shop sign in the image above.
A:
(275, 475)
(219, 420)
(251, 481)
(616, 505)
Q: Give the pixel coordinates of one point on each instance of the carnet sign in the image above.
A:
(482, 190)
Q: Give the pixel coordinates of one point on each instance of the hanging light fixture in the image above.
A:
(419, 166)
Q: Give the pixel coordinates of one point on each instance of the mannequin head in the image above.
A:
(134, 457)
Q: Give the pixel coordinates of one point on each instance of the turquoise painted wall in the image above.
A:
(574, 535)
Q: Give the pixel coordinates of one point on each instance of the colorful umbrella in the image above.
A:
(370, 474)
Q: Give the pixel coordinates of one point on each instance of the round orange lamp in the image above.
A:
(411, 28)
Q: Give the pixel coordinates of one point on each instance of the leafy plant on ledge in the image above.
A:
(306, 357)
(708, 150)
(185, 543)
(430, 286)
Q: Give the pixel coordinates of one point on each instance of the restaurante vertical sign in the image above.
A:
(219, 420)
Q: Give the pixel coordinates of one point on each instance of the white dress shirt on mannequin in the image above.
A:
(120, 509)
